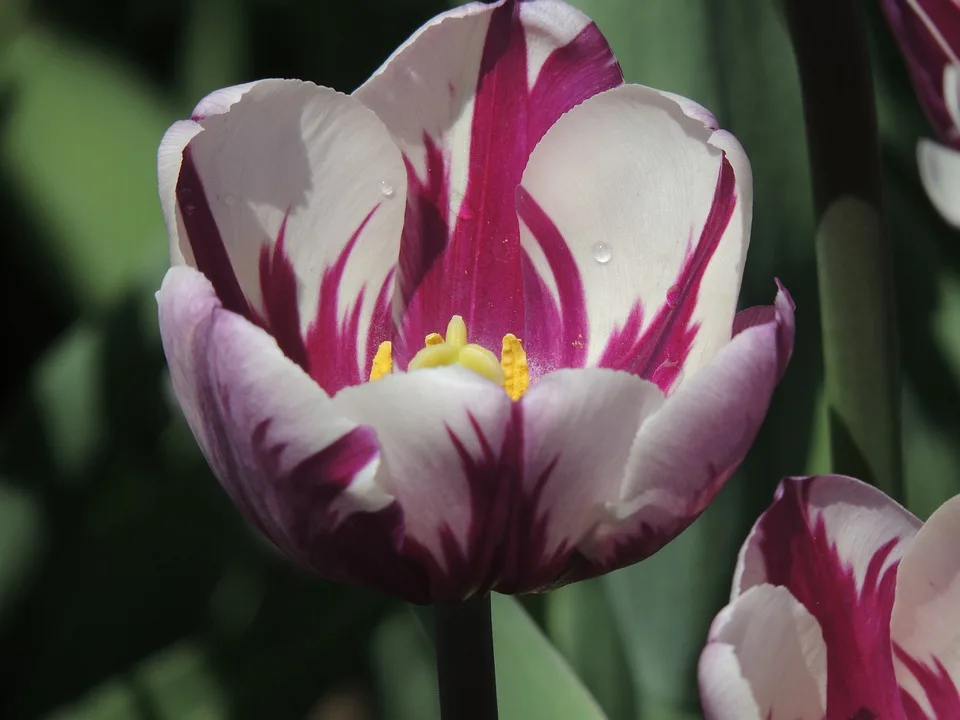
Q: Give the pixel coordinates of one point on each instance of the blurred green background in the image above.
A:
(129, 586)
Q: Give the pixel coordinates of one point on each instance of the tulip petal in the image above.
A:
(170, 157)
(834, 543)
(635, 217)
(926, 616)
(929, 37)
(763, 314)
(951, 96)
(290, 199)
(577, 428)
(467, 98)
(940, 173)
(765, 660)
(297, 469)
(685, 452)
(443, 433)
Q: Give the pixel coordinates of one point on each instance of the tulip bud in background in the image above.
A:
(928, 32)
(844, 605)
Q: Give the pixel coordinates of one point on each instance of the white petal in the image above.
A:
(290, 159)
(656, 220)
(951, 93)
(684, 453)
(170, 155)
(441, 432)
(834, 543)
(258, 418)
(765, 659)
(467, 98)
(578, 427)
(858, 520)
(940, 173)
(428, 85)
(926, 614)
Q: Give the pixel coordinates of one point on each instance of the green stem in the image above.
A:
(854, 254)
(465, 667)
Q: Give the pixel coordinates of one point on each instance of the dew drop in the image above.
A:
(386, 189)
(229, 200)
(602, 252)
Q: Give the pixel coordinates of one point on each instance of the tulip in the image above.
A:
(472, 327)
(928, 32)
(844, 607)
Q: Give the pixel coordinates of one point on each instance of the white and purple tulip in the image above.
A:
(844, 607)
(928, 32)
(495, 177)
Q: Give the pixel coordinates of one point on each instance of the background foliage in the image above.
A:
(129, 587)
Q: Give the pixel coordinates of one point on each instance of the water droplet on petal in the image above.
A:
(386, 189)
(229, 200)
(602, 252)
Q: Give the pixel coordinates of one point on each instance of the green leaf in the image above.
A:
(405, 670)
(80, 142)
(644, 37)
(215, 47)
(21, 544)
(664, 606)
(12, 18)
(534, 682)
(580, 622)
(68, 391)
(178, 683)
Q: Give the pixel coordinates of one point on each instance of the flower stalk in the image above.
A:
(465, 664)
(854, 254)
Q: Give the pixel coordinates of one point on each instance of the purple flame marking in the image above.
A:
(205, 240)
(569, 345)
(659, 353)
(855, 623)
(942, 694)
(475, 268)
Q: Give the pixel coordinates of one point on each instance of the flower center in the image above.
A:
(510, 370)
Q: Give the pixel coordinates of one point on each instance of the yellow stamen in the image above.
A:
(513, 360)
(510, 372)
(382, 361)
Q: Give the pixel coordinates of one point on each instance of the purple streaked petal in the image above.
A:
(660, 353)
(169, 157)
(296, 468)
(291, 202)
(763, 314)
(443, 433)
(686, 451)
(764, 660)
(466, 125)
(835, 543)
(569, 475)
(933, 692)
(652, 208)
(940, 173)
(928, 32)
(925, 624)
(556, 316)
